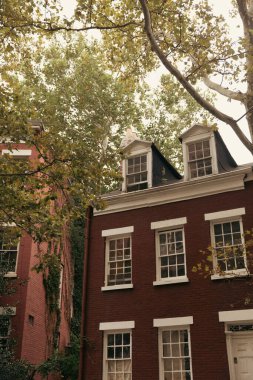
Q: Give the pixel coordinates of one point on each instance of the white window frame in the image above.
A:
(234, 317)
(195, 139)
(122, 327)
(167, 226)
(18, 153)
(176, 324)
(11, 274)
(7, 311)
(221, 217)
(117, 233)
(137, 153)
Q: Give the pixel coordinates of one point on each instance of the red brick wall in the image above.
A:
(201, 298)
(29, 298)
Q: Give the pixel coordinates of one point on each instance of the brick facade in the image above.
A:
(201, 298)
(29, 324)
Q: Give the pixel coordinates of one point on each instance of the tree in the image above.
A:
(81, 106)
(190, 41)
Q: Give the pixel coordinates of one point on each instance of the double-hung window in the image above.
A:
(174, 348)
(137, 173)
(170, 251)
(199, 159)
(229, 256)
(9, 243)
(117, 363)
(5, 327)
(229, 250)
(118, 258)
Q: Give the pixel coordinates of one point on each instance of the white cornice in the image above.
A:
(176, 192)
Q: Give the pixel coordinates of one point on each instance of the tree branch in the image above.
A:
(177, 74)
(49, 27)
(224, 91)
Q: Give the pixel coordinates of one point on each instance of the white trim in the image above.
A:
(117, 231)
(225, 214)
(176, 192)
(106, 326)
(236, 315)
(167, 322)
(169, 280)
(231, 274)
(18, 152)
(172, 280)
(8, 310)
(11, 275)
(117, 287)
(168, 223)
(135, 153)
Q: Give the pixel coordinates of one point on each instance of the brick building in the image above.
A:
(24, 314)
(146, 313)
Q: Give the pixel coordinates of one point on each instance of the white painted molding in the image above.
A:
(236, 315)
(171, 281)
(104, 326)
(118, 231)
(176, 192)
(168, 223)
(167, 322)
(225, 214)
(117, 287)
(18, 152)
(7, 310)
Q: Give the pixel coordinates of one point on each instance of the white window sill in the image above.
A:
(11, 275)
(176, 280)
(230, 274)
(117, 287)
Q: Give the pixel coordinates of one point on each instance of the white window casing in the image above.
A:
(168, 273)
(117, 231)
(18, 152)
(169, 322)
(225, 214)
(225, 240)
(198, 138)
(8, 310)
(174, 344)
(136, 153)
(236, 315)
(168, 223)
(117, 354)
(118, 262)
(111, 326)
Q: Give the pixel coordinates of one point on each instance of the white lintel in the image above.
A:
(225, 214)
(18, 152)
(118, 231)
(104, 326)
(178, 321)
(168, 223)
(7, 310)
(236, 315)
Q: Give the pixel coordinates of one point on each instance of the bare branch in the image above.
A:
(224, 91)
(49, 27)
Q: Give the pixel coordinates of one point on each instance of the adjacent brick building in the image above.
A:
(146, 313)
(24, 315)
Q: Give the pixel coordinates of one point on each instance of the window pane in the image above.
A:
(230, 255)
(118, 364)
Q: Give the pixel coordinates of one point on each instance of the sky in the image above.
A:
(233, 108)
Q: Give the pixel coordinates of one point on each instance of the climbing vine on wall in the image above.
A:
(50, 267)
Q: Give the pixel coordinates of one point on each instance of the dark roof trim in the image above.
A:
(172, 169)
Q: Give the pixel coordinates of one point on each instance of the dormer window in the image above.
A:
(204, 153)
(199, 159)
(137, 173)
